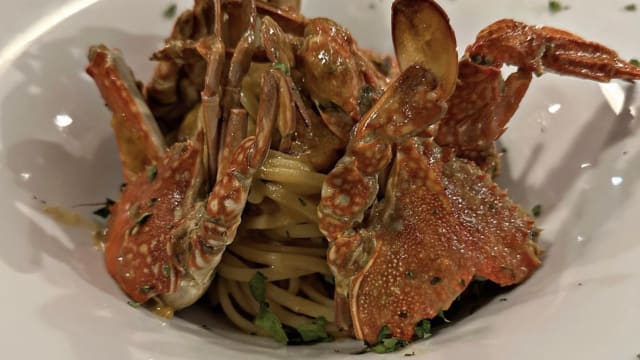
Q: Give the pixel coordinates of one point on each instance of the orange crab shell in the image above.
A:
(141, 250)
(442, 222)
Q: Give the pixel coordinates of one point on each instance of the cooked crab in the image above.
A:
(441, 220)
(175, 217)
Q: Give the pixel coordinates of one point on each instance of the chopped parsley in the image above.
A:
(302, 202)
(133, 304)
(145, 289)
(422, 329)
(435, 280)
(104, 211)
(387, 343)
(556, 6)
(441, 315)
(266, 320)
(141, 221)
(152, 172)
(630, 7)
(269, 322)
(536, 211)
(413, 353)
(257, 286)
(170, 11)
(410, 275)
(282, 67)
(166, 270)
(635, 62)
(314, 331)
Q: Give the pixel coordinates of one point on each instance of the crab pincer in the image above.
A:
(140, 142)
(483, 103)
(441, 220)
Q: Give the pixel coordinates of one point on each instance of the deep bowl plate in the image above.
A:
(572, 147)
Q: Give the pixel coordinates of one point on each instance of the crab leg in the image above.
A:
(163, 240)
(228, 197)
(409, 105)
(212, 49)
(140, 141)
(483, 104)
(238, 68)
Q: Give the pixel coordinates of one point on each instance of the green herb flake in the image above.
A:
(133, 304)
(556, 6)
(536, 211)
(145, 289)
(422, 329)
(635, 62)
(282, 67)
(257, 285)
(410, 275)
(436, 280)
(105, 211)
(152, 172)
(389, 345)
(269, 322)
(386, 343)
(630, 7)
(413, 353)
(302, 202)
(170, 11)
(314, 331)
(141, 221)
(403, 314)
(441, 315)
(166, 270)
(153, 201)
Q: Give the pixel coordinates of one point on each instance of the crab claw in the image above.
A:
(540, 48)
(140, 142)
(165, 238)
(422, 35)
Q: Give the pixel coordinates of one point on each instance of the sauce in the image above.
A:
(67, 217)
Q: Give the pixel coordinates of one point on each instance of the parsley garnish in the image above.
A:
(410, 275)
(282, 67)
(435, 280)
(133, 304)
(145, 289)
(257, 286)
(630, 7)
(302, 202)
(166, 270)
(104, 211)
(265, 319)
(536, 211)
(141, 220)
(441, 315)
(413, 353)
(635, 62)
(170, 11)
(269, 322)
(556, 6)
(152, 172)
(422, 329)
(387, 343)
(314, 331)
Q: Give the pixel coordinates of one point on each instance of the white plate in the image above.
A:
(572, 147)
